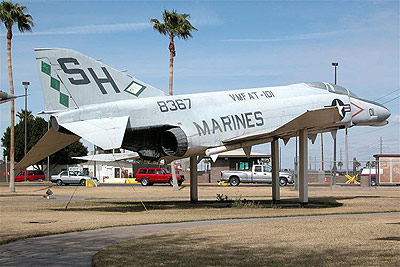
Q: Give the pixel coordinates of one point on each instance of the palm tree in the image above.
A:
(11, 13)
(175, 25)
(21, 115)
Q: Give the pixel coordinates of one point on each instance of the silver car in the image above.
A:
(71, 177)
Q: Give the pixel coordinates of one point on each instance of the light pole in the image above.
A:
(25, 84)
(335, 64)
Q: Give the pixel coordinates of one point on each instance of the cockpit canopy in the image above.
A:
(333, 88)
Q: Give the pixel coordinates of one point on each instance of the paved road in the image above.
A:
(45, 184)
(78, 248)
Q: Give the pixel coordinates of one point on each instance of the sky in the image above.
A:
(239, 44)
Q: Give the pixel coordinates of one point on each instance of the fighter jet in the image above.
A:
(88, 99)
(5, 97)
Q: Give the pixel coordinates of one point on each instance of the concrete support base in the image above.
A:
(303, 204)
(364, 181)
(276, 193)
(303, 168)
(193, 180)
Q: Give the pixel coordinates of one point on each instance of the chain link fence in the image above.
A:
(384, 171)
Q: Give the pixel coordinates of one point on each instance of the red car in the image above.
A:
(31, 176)
(149, 176)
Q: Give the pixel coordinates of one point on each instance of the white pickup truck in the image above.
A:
(258, 174)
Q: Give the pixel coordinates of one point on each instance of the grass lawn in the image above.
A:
(26, 213)
(363, 241)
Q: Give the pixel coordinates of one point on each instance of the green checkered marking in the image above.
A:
(64, 99)
(55, 84)
(46, 68)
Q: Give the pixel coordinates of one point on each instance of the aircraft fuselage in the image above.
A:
(209, 118)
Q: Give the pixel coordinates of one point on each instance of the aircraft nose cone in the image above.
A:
(384, 114)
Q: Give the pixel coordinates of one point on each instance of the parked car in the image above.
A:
(71, 177)
(30, 176)
(368, 172)
(149, 176)
(258, 174)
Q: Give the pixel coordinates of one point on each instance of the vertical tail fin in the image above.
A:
(70, 79)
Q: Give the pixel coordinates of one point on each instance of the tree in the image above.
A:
(340, 164)
(21, 115)
(64, 156)
(11, 13)
(174, 25)
(37, 127)
(356, 164)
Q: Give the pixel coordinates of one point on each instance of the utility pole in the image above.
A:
(322, 153)
(48, 157)
(7, 169)
(380, 145)
(335, 64)
(296, 171)
(25, 84)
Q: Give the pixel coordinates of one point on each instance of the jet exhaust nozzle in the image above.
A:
(174, 142)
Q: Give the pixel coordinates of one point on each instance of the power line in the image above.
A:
(386, 94)
(391, 99)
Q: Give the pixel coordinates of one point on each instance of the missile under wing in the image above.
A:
(5, 97)
(113, 110)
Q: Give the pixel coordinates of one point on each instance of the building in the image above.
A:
(104, 171)
(388, 168)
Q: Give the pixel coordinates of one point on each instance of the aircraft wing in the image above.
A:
(107, 133)
(50, 143)
(109, 157)
(317, 119)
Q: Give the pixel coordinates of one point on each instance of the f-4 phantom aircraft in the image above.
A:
(88, 99)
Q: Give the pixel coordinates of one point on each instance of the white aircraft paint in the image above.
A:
(113, 110)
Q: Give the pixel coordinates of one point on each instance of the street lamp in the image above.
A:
(335, 64)
(25, 84)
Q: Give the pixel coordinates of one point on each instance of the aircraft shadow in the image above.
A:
(137, 206)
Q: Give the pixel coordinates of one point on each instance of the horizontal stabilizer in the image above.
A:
(318, 119)
(49, 144)
(106, 133)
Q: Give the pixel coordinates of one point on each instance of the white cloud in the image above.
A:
(95, 29)
(395, 119)
(306, 36)
(385, 21)
(205, 21)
